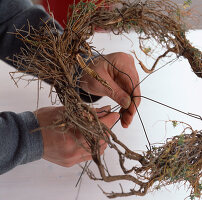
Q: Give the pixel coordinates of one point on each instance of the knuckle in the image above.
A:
(120, 55)
(130, 58)
(123, 56)
(67, 164)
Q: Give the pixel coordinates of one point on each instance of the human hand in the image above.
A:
(65, 148)
(119, 82)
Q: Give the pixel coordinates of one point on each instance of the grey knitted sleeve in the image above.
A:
(18, 143)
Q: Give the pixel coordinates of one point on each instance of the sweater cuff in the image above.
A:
(34, 138)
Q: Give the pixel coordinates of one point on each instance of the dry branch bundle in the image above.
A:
(55, 57)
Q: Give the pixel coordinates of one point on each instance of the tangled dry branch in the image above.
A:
(54, 57)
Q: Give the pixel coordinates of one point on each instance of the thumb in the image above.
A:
(110, 119)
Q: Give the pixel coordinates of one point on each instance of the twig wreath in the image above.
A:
(54, 57)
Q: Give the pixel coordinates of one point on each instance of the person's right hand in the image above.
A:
(118, 69)
(65, 148)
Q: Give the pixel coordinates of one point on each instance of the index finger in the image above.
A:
(130, 83)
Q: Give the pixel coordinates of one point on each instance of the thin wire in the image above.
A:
(115, 108)
(84, 168)
(78, 192)
(173, 60)
(189, 114)
(142, 125)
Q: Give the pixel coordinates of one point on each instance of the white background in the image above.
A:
(175, 85)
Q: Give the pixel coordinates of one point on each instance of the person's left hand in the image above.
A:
(69, 147)
(119, 82)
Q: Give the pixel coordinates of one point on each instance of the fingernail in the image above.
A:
(124, 125)
(118, 116)
(125, 102)
(109, 107)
